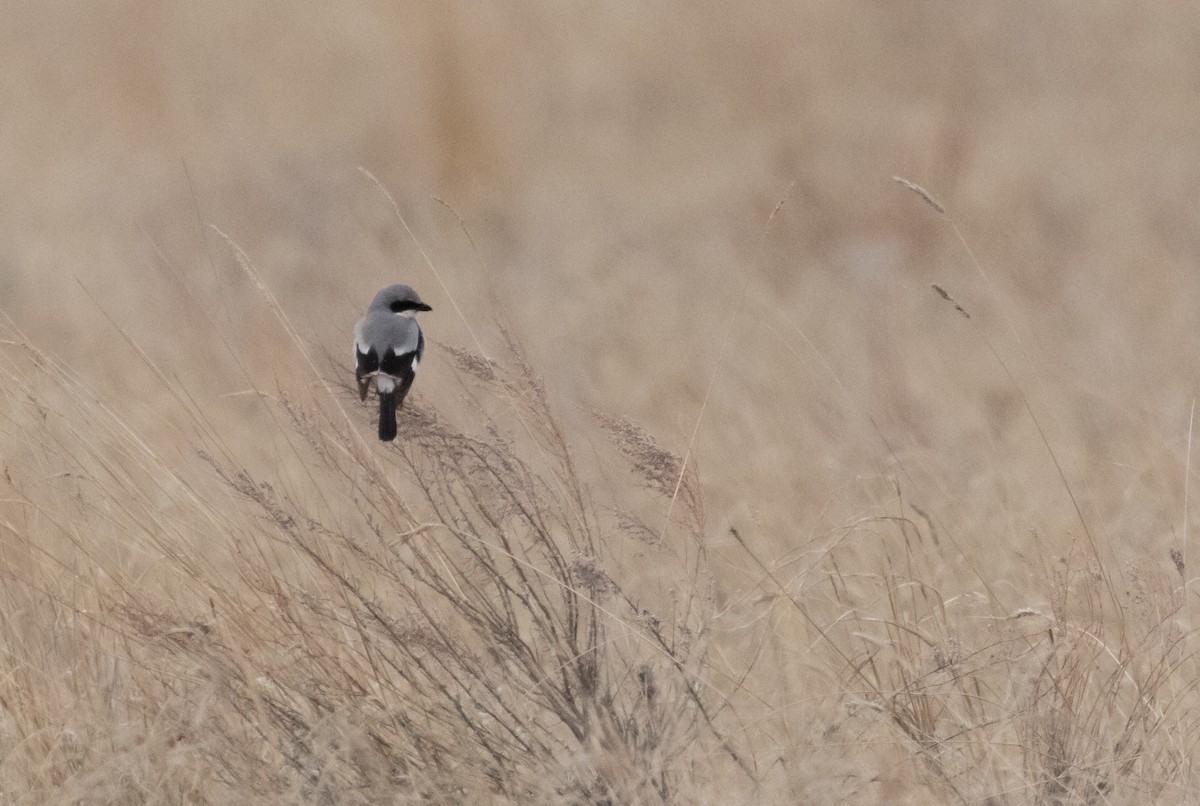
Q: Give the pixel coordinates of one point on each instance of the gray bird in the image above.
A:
(388, 345)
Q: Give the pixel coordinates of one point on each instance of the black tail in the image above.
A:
(387, 416)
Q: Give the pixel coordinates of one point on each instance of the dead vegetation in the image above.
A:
(454, 620)
(746, 514)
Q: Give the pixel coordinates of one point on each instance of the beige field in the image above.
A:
(704, 494)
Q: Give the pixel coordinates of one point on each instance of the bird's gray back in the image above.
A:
(383, 329)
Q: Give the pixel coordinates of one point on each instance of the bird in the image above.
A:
(388, 345)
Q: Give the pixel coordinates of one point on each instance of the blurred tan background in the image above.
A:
(615, 167)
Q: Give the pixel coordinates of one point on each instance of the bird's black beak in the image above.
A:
(423, 307)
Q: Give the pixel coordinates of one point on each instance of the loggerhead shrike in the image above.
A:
(388, 345)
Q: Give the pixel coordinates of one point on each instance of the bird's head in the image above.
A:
(399, 299)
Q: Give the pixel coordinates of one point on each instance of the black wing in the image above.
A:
(367, 363)
(401, 368)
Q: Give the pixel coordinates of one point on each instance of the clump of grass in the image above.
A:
(451, 624)
(1049, 706)
(434, 620)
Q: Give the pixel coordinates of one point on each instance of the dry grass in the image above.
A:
(719, 504)
(350, 642)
